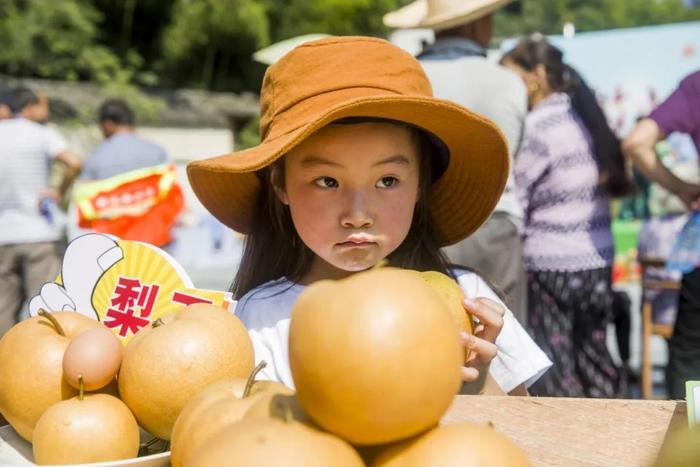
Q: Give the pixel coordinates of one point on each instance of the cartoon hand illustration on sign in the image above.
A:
(86, 259)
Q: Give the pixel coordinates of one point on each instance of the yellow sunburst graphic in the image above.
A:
(142, 287)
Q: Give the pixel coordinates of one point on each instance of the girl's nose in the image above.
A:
(357, 213)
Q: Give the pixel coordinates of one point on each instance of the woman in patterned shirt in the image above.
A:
(568, 166)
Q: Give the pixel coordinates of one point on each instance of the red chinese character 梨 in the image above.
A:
(130, 296)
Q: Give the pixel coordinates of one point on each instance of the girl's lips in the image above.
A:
(358, 241)
(355, 244)
(359, 238)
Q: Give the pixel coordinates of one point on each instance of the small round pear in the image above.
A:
(96, 428)
(95, 355)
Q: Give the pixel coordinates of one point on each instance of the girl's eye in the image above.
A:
(387, 182)
(326, 182)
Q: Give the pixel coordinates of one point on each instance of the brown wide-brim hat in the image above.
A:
(440, 14)
(339, 77)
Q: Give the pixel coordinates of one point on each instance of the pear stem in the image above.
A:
(45, 314)
(81, 383)
(251, 378)
(158, 322)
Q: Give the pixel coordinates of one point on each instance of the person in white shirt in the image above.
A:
(459, 71)
(29, 235)
(361, 164)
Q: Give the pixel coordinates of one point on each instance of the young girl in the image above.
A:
(568, 166)
(359, 163)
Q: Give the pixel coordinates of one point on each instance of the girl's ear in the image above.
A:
(278, 184)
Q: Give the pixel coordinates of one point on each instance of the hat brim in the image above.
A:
(460, 200)
(415, 15)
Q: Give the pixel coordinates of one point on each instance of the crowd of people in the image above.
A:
(537, 182)
(548, 244)
(40, 169)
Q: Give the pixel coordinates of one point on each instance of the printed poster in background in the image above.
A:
(124, 284)
(141, 205)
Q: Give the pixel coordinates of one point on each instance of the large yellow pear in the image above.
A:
(449, 289)
(216, 406)
(452, 293)
(31, 366)
(167, 364)
(375, 357)
(274, 443)
(458, 445)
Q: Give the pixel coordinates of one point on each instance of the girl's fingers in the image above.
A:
(481, 351)
(496, 307)
(489, 313)
(469, 374)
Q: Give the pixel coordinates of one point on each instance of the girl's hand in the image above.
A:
(482, 348)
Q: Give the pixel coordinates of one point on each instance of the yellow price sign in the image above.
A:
(124, 284)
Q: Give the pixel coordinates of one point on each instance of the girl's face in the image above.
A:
(351, 190)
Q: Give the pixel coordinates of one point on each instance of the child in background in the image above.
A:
(359, 163)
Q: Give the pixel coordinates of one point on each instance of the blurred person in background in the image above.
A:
(30, 236)
(680, 112)
(459, 71)
(128, 187)
(123, 150)
(568, 166)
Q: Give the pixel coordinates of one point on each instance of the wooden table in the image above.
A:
(577, 432)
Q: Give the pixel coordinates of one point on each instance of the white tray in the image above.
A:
(15, 451)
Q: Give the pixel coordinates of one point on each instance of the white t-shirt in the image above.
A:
(266, 311)
(26, 150)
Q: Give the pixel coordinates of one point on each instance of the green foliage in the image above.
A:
(291, 18)
(209, 43)
(208, 40)
(54, 40)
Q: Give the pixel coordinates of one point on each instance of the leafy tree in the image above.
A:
(290, 18)
(209, 42)
(56, 40)
(133, 29)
